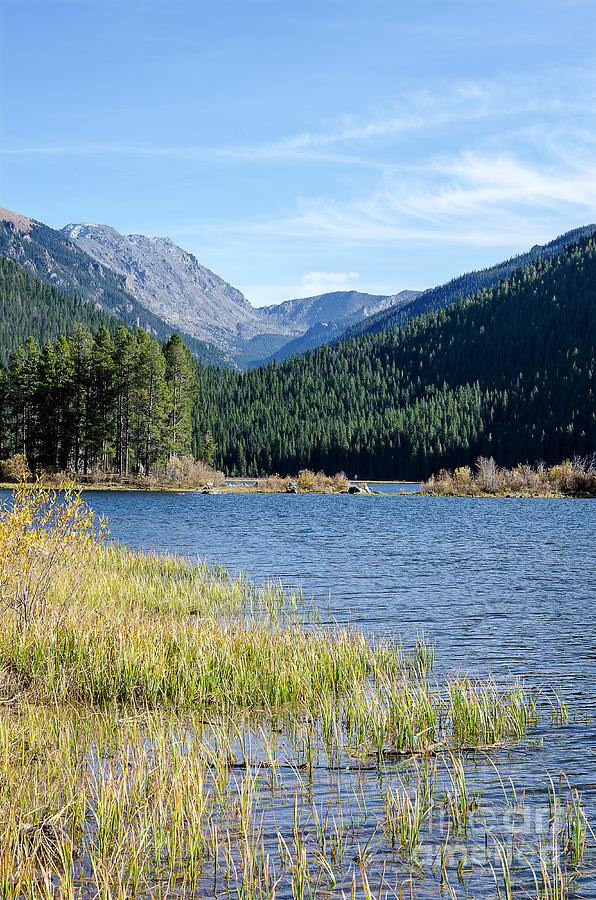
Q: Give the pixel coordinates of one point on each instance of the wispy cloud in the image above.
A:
(474, 198)
(525, 175)
(320, 282)
(345, 136)
(309, 285)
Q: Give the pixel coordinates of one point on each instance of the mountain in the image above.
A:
(464, 286)
(507, 373)
(174, 285)
(49, 255)
(326, 316)
(336, 305)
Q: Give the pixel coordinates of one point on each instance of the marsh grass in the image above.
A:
(173, 731)
(405, 812)
(118, 802)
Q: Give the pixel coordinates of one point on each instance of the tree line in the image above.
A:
(92, 401)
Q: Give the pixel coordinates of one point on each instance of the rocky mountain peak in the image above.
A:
(172, 283)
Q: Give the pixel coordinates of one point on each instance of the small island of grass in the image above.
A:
(575, 478)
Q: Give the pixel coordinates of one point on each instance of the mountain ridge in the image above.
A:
(150, 282)
(174, 285)
(171, 282)
(325, 332)
(464, 286)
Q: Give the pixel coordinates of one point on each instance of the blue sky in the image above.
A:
(297, 147)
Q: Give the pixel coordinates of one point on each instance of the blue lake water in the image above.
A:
(500, 585)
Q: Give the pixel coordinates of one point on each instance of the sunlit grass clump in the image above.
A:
(305, 482)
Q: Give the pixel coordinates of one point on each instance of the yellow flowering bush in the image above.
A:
(43, 533)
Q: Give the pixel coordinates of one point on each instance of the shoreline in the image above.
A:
(244, 488)
(232, 485)
(156, 701)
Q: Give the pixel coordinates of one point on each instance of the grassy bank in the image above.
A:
(161, 632)
(575, 478)
(168, 730)
(174, 474)
(181, 475)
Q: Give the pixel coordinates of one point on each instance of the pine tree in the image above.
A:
(102, 399)
(124, 360)
(63, 407)
(48, 400)
(208, 447)
(181, 380)
(151, 402)
(81, 345)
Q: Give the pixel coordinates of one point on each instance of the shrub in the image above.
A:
(273, 484)
(43, 533)
(15, 469)
(186, 472)
(486, 477)
(577, 478)
(463, 476)
(309, 482)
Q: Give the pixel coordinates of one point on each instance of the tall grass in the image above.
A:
(167, 730)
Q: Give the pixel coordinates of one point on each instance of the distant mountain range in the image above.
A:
(327, 316)
(150, 282)
(176, 287)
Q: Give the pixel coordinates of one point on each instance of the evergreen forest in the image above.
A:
(31, 308)
(96, 402)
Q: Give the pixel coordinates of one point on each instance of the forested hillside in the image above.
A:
(31, 308)
(509, 373)
(463, 287)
